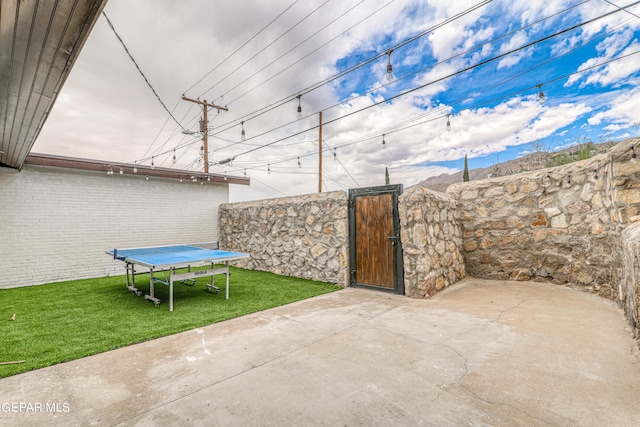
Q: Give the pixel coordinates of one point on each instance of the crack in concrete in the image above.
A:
(465, 360)
(483, 399)
(254, 366)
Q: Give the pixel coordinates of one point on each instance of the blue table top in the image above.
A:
(174, 256)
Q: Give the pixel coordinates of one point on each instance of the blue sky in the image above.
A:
(219, 53)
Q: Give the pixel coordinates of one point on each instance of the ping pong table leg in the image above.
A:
(151, 289)
(151, 296)
(212, 286)
(131, 283)
(227, 274)
(171, 289)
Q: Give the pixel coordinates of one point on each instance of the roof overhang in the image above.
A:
(39, 43)
(142, 171)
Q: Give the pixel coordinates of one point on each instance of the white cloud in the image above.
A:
(624, 111)
(616, 45)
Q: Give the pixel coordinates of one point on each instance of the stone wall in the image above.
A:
(559, 224)
(431, 242)
(303, 236)
(629, 276)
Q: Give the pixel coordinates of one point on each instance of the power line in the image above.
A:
(138, 67)
(243, 45)
(623, 8)
(481, 63)
(391, 130)
(406, 76)
(349, 70)
(263, 49)
(360, 140)
(291, 50)
(507, 53)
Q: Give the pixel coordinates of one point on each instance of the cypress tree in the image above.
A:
(465, 174)
(386, 176)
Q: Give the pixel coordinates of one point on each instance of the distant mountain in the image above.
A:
(530, 162)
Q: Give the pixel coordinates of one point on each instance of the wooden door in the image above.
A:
(376, 252)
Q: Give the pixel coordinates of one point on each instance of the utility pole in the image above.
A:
(205, 139)
(320, 156)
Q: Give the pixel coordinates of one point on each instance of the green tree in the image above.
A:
(386, 176)
(465, 174)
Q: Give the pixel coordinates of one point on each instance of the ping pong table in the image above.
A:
(171, 258)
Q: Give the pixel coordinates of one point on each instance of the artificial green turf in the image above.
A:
(64, 321)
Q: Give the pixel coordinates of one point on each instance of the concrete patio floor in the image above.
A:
(482, 353)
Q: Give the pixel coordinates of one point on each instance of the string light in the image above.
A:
(243, 135)
(153, 166)
(109, 171)
(180, 178)
(335, 154)
(174, 157)
(299, 165)
(146, 178)
(135, 167)
(299, 107)
(121, 171)
(389, 67)
(448, 122)
(384, 143)
(269, 169)
(245, 172)
(540, 94)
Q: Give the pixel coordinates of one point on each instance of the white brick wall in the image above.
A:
(56, 224)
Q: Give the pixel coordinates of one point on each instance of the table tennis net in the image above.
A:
(121, 254)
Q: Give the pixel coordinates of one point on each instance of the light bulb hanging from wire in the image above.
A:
(243, 135)
(448, 122)
(299, 107)
(299, 165)
(335, 154)
(389, 67)
(384, 143)
(269, 169)
(540, 94)
(153, 166)
(174, 157)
